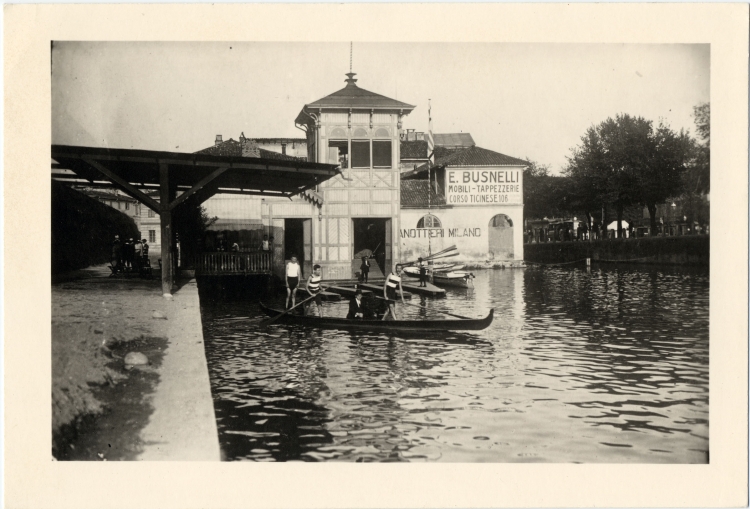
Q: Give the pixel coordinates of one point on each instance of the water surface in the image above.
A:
(608, 365)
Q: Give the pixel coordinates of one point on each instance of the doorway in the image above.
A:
(501, 237)
(298, 242)
(370, 239)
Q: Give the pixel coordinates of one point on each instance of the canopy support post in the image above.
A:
(165, 215)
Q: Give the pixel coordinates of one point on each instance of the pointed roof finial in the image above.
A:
(350, 82)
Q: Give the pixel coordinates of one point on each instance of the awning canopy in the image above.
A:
(184, 178)
(220, 174)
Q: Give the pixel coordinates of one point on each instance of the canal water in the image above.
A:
(607, 365)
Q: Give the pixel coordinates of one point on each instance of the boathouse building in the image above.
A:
(471, 197)
(395, 205)
(359, 130)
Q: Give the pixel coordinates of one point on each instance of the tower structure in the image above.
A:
(360, 131)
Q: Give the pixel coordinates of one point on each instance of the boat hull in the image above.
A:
(456, 280)
(381, 325)
(453, 279)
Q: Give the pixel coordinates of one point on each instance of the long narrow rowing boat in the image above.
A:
(381, 325)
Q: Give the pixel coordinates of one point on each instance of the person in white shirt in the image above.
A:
(292, 281)
(391, 289)
(264, 244)
(314, 288)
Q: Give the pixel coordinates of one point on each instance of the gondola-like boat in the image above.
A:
(381, 325)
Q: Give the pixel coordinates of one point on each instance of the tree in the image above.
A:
(190, 222)
(625, 160)
(698, 176)
(663, 175)
(544, 195)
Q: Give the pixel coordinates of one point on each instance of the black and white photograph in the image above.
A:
(488, 259)
(337, 252)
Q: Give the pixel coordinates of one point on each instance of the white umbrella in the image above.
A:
(613, 225)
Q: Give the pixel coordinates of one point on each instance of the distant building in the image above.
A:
(414, 146)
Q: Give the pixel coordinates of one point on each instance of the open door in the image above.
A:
(388, 247)
(307, 262)
(278, 247)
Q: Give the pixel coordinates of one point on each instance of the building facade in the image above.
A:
(471, 197)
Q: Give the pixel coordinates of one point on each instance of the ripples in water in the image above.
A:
(609, 365)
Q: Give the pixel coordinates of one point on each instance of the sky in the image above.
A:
(524, 100)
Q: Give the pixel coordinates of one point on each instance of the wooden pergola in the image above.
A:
(181, 178)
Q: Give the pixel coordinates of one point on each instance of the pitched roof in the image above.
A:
(414, 194)
(415, 149)
(352, 96)
(467, 157)
(454, 140)
(234, 148)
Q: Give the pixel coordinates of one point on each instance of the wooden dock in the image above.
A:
(430, 290)
(346, 291)
(378, 289)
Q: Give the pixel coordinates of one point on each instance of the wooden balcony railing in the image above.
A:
(227, 263)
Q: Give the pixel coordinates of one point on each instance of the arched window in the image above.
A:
(501, 221)
(382, 132)
(429, 221)
(360, 133)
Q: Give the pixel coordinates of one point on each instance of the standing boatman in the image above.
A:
(393, 282)
(292, 281)
(313, 288)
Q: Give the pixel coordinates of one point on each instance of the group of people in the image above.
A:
(130, 255)
(357, 310)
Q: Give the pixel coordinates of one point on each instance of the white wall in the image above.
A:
(466, 227)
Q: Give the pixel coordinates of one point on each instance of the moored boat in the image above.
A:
(457, 279)
(381, 325)
(453, 278)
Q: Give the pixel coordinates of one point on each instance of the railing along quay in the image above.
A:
(233, 263)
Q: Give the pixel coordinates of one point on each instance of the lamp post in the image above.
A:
(674, 208)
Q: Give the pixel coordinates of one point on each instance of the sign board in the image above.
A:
(483, 186)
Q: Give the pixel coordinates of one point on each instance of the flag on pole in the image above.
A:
(430, 140)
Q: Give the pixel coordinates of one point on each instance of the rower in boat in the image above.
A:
(392, 283)
(291, 277)
(357, 307)
(313, 288)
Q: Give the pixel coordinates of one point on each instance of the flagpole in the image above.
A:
(430, 161)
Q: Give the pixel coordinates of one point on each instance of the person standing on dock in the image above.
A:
(422, 273)
(365, 268)
(313, 288)
(292, 281)
(117, 254)
(393, 282)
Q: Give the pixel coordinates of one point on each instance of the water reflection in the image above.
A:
(606, 365)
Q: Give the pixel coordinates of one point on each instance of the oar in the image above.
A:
(442, 257)
(432, 256)
(269, 321)
(451, 248)
(422, 307)
(440, 254)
